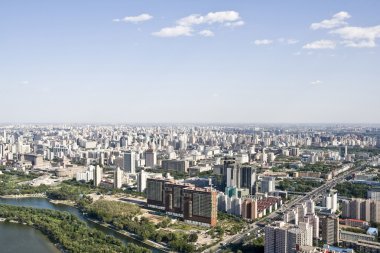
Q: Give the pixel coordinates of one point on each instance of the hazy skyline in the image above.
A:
(190, 61)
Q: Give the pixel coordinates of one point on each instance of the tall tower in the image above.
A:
(97, 175)
(129, 162)
(118, 178)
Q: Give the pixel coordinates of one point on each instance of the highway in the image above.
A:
(275, 216)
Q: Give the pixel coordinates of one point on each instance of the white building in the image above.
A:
(330, 200)
(118, 178)
(97, 175)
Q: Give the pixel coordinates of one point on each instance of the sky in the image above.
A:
(124, 61)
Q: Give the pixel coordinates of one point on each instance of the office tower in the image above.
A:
(310, 206)
(229, 172)
(249, 209)
(174, 198)
(97, 175)
(155, 189)
(200, 206)
(130, 161)
(330, 200)
(248, 178)
(377, 142)
(118, 178)
(236, 208)
(343, 151)
(150, 158)
(268, 184)
(141, 180)
(222, 202)
(330, 229)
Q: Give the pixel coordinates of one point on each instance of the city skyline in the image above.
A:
(199, 61)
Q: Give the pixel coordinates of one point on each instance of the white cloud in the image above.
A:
(320, 44)
(134, 19)
(263, 42)
(25, 82)
(185, 25)
(175, 31)
(316, 82)
(336, 21)
(359, 37)
(292, 41)
(210, 18)
(235, 24)
(206, 33)
(288, 41)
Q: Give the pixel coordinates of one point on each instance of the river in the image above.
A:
(11, 234)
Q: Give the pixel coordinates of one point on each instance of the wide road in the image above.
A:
(288, 206)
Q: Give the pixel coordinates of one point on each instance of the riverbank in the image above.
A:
(62, 228)
(67, 206)
(23, 196)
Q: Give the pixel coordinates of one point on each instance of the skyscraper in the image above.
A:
(248, 178)
(150, 158)
(118, 178)
(97, 175)
(141, 180)
(130, 162)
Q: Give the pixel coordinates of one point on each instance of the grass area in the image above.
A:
(11, 183)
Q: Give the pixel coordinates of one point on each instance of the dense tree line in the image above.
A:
(352, 191)
(299, 185)
(67, 230)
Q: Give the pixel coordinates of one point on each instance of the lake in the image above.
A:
(37, 239)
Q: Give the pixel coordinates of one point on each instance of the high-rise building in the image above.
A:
(330, 200)
(150, 158)
(249, 209)
(200, 206)
(155, 189)
(97, 175)
(313, 220)
(330, 229)
(268, 184)
(174, 198)
(310, 206)
(343, 151)
(130, 162)
(361, 209)
(282, 237)
(141, 180)
(248, 178)
(374, 193)
(118, 178)
(195, 205)
(181, 166)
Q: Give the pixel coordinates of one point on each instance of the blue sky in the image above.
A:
(190, 61)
